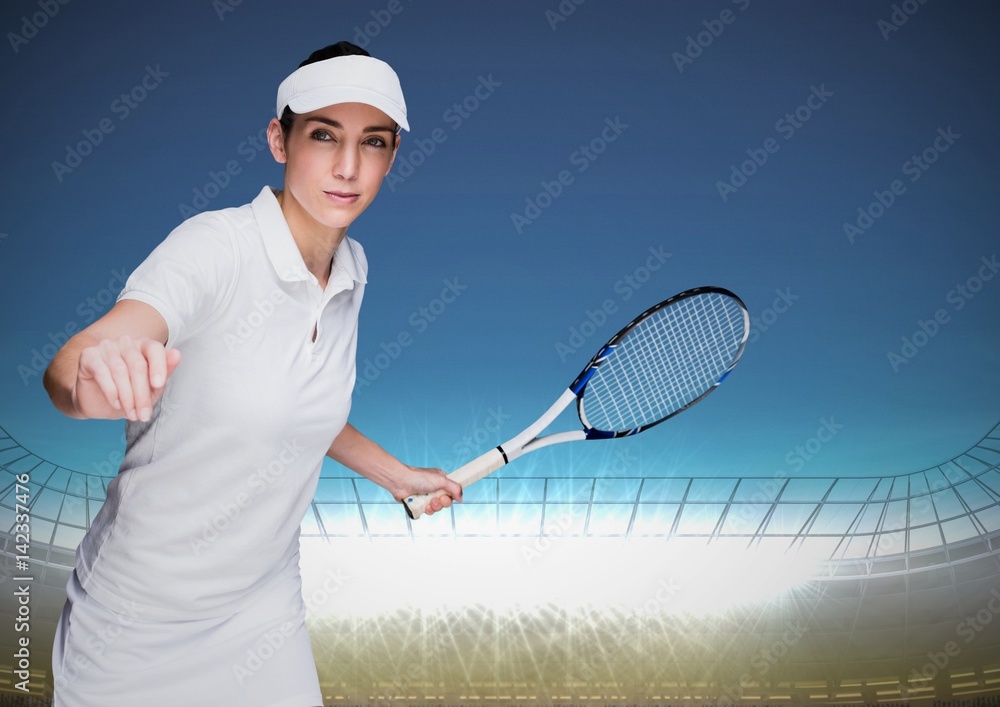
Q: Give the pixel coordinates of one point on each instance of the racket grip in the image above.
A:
(464, 475)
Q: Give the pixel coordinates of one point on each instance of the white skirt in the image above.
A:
(258, 657)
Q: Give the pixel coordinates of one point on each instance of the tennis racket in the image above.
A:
(666, 359)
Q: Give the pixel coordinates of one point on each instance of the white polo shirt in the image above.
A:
(206, 508)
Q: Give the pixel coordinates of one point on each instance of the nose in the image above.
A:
(346, 163)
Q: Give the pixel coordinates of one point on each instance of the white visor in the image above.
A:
(344, 79)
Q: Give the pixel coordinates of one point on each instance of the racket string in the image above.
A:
(665, 362)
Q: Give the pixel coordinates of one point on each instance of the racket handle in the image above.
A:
(465, 475)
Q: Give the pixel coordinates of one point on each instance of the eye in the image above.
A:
(320, 136)
(376, 142)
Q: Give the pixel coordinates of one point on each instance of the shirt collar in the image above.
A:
(284, 253)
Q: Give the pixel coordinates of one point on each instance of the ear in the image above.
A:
(395, 149)
(276, 141)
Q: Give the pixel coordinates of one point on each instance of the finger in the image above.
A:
(438, 503)
(156, 361)
(432, 507)
(453, 489)
(138, 370)
(173, 358)
(120, 375)
(94, 368)
(449, 486)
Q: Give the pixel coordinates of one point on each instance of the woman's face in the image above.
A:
(335, 159)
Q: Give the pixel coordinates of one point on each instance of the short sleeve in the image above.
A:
(189, 276)
(360, 259)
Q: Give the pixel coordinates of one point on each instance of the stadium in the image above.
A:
(571, 164)
(763, 591)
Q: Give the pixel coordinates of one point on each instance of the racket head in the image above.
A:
(664, 361)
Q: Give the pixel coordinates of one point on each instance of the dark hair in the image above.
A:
(328, 52)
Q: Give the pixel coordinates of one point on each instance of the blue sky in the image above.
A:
(557, 162)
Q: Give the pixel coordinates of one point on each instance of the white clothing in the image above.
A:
(258, 657)
(202, 520)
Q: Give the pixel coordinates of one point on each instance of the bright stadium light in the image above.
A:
(650, 577)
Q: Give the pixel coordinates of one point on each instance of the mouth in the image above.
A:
(342, 197)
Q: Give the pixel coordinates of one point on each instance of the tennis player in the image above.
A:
(231, 354)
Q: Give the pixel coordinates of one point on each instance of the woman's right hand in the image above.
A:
(122, 377)
(117, 367)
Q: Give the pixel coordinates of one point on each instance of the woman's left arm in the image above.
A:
(362, 455)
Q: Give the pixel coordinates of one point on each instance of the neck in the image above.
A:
(316, 243)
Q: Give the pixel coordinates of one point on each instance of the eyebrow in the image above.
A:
(335, 124)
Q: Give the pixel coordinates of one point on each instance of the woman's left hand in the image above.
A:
(357, 452)
(428, 481)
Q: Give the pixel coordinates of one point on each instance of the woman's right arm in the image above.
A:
(116, 367)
